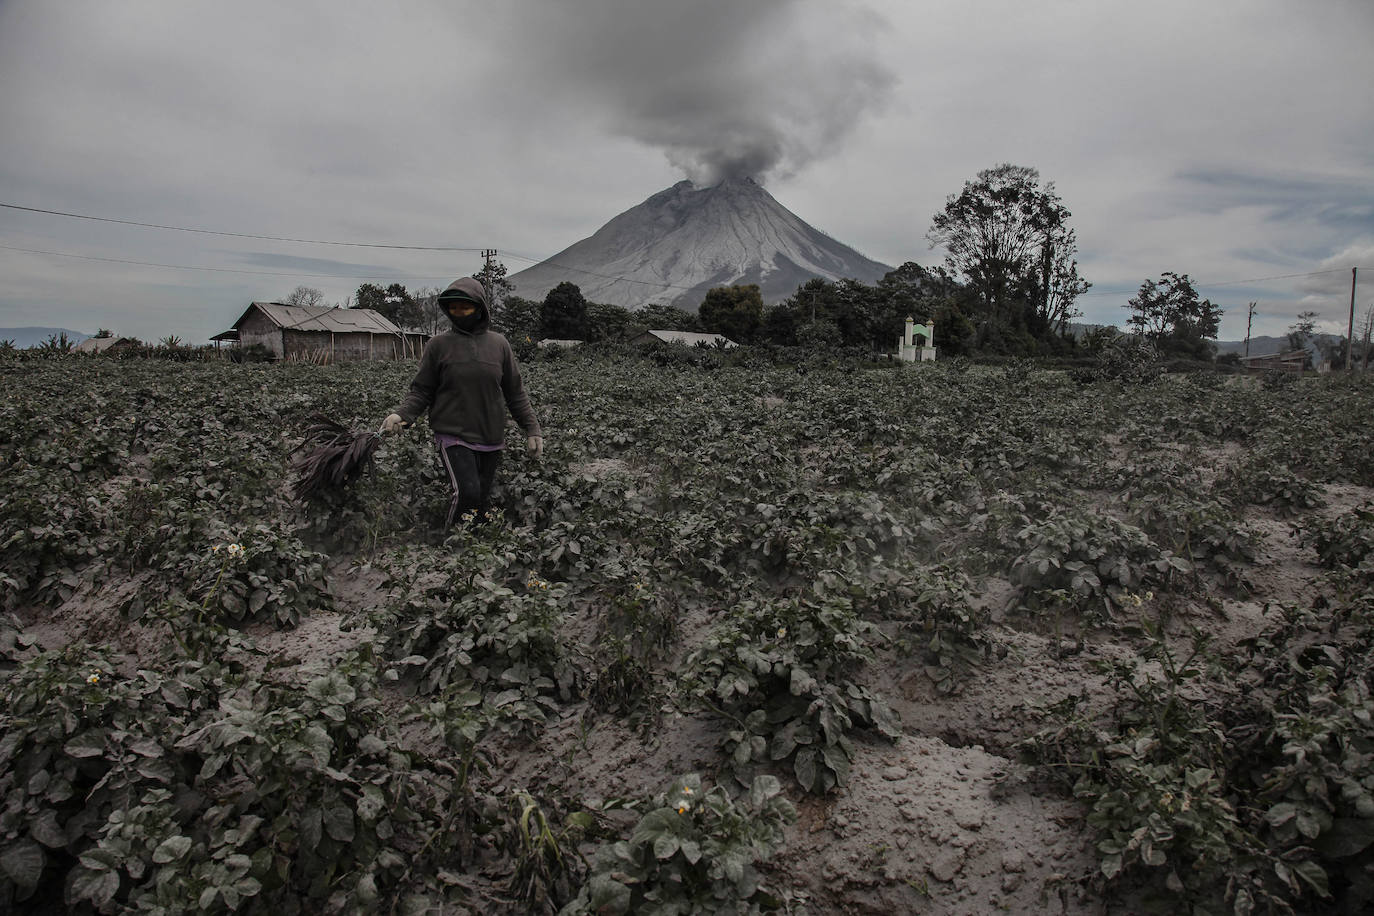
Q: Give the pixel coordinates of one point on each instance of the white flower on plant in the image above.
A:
(93, 677)
(236, 551)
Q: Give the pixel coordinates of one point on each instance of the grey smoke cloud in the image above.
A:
(725, 88)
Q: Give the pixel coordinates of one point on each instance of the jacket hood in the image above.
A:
(471, 289)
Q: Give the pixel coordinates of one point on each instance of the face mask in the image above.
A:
(466, 322)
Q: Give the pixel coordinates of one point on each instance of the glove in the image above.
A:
(534, 445)
(393, 424)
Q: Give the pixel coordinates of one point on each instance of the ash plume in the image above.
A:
(726, 88)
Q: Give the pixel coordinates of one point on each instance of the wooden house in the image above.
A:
(1289, 361)
(321, 334)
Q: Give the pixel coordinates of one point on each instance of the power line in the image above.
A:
(237, 235)
(227, 270)
(273, 273)
(1114, 291)
(278, 238)
(509, 254)
(1314, 273)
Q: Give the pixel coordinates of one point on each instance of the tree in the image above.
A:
(429, 320)
(735, 311)
(836, 314)
(657, 316)
(563, 315)
(912, 291)
(1170, 314)
(517, 318)
(369, 296)
(492, 276)
(1301, 331)
(1009, 238)
(781, 323)
(102, 333)
(305, 295)
(393, 303)
(608, 322)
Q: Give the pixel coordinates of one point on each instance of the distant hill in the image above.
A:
(32, 337)
(1263, 346)
(1259, 346)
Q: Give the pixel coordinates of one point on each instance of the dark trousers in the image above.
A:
(471, 473)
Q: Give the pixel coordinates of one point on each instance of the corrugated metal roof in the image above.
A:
(323, 318)
(101, 344)
(691, 338)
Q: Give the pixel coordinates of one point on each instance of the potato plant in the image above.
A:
(757, 541)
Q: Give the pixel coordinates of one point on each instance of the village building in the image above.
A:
(1294, 361)
(688, 338)
(321, 334)
(107, 344)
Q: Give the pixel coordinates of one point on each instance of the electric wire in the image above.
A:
(278, 238)
(230, 270)
(1114, 291)
(237, 235)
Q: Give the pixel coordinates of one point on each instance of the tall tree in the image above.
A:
(369, 296)
(492, 276)
(735, 311)
(1009, 238)
(563, 314)
(1170, 313)
(1301, 331)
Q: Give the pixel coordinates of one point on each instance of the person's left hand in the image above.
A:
(534, 445)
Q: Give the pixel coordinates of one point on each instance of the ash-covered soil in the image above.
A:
(946, 820)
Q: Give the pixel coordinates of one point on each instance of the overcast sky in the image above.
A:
(1232, 141)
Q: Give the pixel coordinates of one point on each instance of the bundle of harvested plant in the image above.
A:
(331, 457)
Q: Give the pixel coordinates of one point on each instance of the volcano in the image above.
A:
(684, 240)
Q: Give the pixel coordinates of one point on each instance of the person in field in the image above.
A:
(468, 379)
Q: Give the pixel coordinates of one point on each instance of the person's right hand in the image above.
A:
(393, 424)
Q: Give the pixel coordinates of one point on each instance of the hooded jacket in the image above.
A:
(467, 380)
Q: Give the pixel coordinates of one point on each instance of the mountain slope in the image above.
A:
(684, 240)
(32, 337)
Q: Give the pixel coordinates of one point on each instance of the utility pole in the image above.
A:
(489, 256)
(1248, 321)
(1350, 328)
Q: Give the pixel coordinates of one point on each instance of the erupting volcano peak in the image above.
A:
(684, 240)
